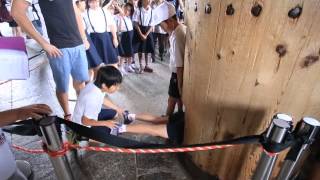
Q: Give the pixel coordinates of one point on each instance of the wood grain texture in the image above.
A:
(235, 80)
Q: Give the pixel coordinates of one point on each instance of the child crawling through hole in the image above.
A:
(89, 112)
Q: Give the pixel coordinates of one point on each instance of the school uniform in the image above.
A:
(125, 28)
(89, 104)
(99, 21)
(144, 18)
(177, 48)
(93, 57)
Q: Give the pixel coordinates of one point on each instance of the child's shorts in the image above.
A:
(175, 128)
(173, 87)
(104, 115)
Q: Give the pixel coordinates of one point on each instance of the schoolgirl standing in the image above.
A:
(94, 60)
(125, 28)
(103, 32)
(143, 38)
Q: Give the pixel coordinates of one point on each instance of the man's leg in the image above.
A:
(63, 99)
(61, 69)
(79, 68)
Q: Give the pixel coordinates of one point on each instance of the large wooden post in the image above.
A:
(245, 61)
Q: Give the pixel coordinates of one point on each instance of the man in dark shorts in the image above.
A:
(66, 50)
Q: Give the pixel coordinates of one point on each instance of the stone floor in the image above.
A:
(139, 93)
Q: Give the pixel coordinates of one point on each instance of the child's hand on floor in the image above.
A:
(110, 124)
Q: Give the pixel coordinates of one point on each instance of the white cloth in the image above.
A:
(157, 28)
(177, 47)
(89, 103)
(122, 21)
(163, 12)
(7, 162)
(145, 19)
(14, 64)
(98, 20)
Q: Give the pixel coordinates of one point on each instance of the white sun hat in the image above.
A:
(163, 12)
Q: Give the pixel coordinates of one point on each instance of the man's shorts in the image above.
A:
(173, 87)
(175, 128)
(74, 62)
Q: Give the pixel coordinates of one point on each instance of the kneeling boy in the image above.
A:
(89, 112)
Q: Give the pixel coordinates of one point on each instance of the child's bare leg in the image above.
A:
(151, 118)
(153, 130)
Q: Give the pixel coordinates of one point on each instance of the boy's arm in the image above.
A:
(180, 79)
(18, 12)
(90, 122)
(108, 103)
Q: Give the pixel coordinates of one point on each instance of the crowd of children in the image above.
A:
(111, 34)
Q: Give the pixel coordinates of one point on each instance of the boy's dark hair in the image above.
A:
(131, 7)
(108, 75)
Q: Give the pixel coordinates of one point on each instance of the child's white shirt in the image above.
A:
(89, 103)
(146, 16)
(122, 21)
(98, 20)
(177, 47)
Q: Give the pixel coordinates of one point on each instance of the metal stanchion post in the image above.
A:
(53, 143)
(289, 120)
(276, 133)
(308, 128)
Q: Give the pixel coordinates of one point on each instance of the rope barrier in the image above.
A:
(67, 146)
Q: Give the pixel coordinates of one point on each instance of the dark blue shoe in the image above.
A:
(126, 119)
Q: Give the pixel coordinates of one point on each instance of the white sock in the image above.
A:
(123, 128)
(132, 117)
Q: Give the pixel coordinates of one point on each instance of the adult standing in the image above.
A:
(65, 51)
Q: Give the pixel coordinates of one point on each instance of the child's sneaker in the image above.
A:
(123, 71)
(126, 119)
(118, 129)
(115, 131)
(129, 69)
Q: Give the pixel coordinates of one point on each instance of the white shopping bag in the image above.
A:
(14, 63)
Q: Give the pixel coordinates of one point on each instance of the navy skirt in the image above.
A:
(105, 47)
(143, 46)
(93, 57)
(125, 46)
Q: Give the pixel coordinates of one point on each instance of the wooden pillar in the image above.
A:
(246, 61)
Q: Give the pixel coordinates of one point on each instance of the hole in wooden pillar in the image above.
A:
(256, 10)
(309, 60)
(208, 9)
(219, 56)
(295, 12)
(230, 10)
(256, 83)
(281, 50)
(195, 7)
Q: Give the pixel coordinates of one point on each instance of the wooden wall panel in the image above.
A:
(235, 80)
